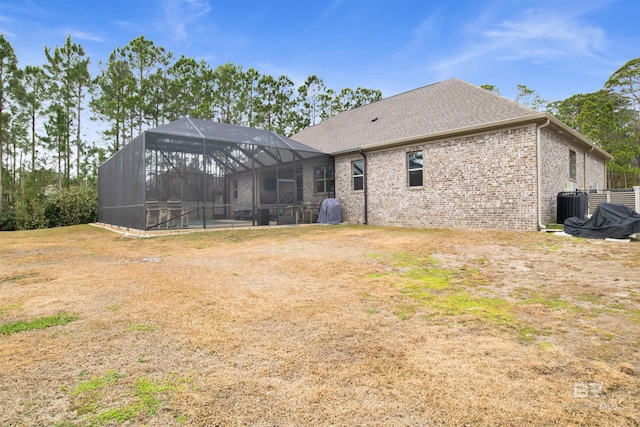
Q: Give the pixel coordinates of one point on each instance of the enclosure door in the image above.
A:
(286, 196)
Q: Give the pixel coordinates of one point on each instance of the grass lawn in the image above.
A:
(319, 325)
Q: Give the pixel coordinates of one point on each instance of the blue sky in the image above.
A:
(559, 48)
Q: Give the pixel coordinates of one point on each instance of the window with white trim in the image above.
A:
(572, 165)
(357, 168)
(414, 169)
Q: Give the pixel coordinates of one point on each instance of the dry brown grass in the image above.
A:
(345, 325)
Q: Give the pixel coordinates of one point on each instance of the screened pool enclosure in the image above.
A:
(196, 174)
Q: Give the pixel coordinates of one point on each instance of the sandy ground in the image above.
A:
(320, 325)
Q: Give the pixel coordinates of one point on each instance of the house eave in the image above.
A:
(575, 137)
(558, 126)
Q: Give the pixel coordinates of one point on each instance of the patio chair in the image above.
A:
(155, 213)
(175, 212)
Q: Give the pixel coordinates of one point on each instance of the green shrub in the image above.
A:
(30, 214)
(7, 219)
(68, 206)
(72, 206)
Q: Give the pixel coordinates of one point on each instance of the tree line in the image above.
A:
(610, 117)
(44, 109)
(44, 112)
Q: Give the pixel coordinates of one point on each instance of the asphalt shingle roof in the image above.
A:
(441, 107)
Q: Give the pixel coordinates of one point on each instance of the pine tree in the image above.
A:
(68, 74)
(310, 100)
(145, 59)
(32, 100)
(9, 83)
(109, 99)
(185, 88)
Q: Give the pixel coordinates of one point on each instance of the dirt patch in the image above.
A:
(340, 325)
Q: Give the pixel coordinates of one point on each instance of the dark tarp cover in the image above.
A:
(330, 212)
(610, 220)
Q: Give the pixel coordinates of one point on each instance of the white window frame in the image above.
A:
(354, 175)
(415, 169)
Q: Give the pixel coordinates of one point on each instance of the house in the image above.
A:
(454, 155)
(445, 155)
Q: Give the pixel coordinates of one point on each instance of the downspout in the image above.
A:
(541, 226)
(364, 185)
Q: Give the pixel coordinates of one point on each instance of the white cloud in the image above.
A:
(127, 25)
(179, 15)
(330, 10)
(82, 35)
(420, 37)
(25, 7)
(534, 35)
(7, 33)
(429, 26)
(564, 35)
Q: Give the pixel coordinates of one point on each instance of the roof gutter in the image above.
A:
(541, 226)
(364, 185)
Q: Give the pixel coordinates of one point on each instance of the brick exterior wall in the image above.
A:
(596, 174)
(486, 181)
(555, 168)
(555, 171)
(352, 201)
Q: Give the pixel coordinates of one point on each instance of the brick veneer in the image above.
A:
(555, 171)
(485, 181)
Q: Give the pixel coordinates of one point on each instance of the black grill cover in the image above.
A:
(610, 220)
